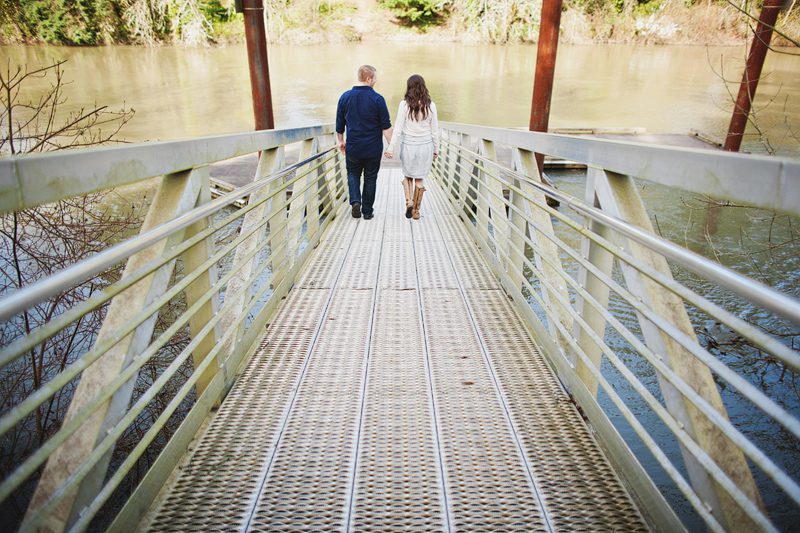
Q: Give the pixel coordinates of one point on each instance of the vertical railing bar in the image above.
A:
(619, 196)
(193, 258)
(603, 260)
(482, 181)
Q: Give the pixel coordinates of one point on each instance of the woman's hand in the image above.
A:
(387, 154)
(435, 156)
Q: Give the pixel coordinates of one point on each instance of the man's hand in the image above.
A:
(387, 154)
(341, 147)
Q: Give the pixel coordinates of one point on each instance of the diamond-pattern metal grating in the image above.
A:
(396, 389)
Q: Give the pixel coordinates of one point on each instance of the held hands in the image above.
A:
(387, 154)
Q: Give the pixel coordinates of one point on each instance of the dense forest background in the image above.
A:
(204, 22)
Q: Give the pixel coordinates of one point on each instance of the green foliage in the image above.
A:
(214, 11)
(75, 22)
(94, 22)
(417, 12)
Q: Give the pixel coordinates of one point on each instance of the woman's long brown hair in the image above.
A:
(417, 98)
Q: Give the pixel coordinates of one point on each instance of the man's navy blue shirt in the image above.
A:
(365, 114)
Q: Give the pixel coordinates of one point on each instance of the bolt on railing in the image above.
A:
(231, 290)
(505, 209)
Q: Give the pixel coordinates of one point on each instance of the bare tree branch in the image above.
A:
(775, 29)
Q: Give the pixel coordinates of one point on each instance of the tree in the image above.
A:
(37, 242)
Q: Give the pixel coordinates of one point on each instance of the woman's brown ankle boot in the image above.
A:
(408, 189)
(417, 202)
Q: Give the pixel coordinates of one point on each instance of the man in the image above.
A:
(364, 113)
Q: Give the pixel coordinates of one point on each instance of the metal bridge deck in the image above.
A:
(396, 389)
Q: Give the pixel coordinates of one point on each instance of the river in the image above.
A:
(185, 92)
(180, 93)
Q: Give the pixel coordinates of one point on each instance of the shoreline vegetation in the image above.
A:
(214, 22)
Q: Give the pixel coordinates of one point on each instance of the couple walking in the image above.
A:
(363, 113)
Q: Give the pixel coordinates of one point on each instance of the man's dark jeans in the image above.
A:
(370, 167)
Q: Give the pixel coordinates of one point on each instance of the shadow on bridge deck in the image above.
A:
(396, 388)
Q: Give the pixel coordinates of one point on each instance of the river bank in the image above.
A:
(668, 23)
(214, 22)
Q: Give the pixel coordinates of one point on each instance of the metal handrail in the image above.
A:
(770, 182)
(760, 399)
(74, 369)
(722, 423)
(313, 182)
(464, 173)
(23, 344)
(755, 291)
(113, 434)
(760, 339)
(83, 270)
(33, 179)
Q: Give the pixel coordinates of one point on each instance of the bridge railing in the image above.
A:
(558, 264)
(226, 289)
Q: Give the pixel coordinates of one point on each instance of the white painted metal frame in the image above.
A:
(617, 228)
(73, 485)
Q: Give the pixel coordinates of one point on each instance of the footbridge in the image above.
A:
(499, 364)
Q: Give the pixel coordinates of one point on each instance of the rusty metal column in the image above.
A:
(256, 37)
(752, 72)
(545, 69)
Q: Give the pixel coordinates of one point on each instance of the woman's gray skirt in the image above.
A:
(416, 159)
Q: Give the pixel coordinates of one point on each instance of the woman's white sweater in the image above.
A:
(415, 131)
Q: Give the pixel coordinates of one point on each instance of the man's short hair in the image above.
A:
(366, 72)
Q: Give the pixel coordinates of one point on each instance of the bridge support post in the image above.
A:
(176, 195)
(238, 291)
(276, 211)
(482, 194)
(316, 185)
(325, 191)
(453, 161)
(516, 263)
(193, 258)
(619, 197)
(558, 300)
(469, 174)
(604, 261)
(496, 209)
(299, 204)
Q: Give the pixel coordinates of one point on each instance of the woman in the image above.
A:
(417, 130)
